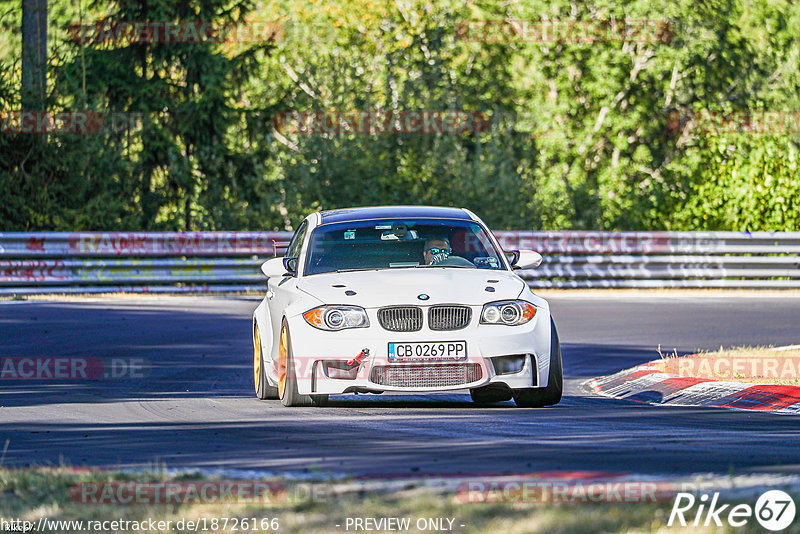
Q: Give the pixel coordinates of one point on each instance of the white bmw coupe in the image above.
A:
(402, 299)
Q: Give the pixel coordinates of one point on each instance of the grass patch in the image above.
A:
(28, 494)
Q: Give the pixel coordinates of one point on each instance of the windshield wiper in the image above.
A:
(450, 266)
(403, 267)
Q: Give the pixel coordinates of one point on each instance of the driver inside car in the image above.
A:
(436, 250)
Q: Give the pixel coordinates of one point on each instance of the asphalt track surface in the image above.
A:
(196, 407)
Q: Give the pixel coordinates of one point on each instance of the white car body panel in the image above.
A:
(401, 286)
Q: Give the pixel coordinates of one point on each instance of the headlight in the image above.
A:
(337, 317)
(508, 312)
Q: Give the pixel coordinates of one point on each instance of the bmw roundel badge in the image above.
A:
(423, 296)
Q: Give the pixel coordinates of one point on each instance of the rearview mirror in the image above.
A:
(273, 267)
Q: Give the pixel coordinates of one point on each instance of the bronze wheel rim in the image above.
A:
(282, 352)
(256, 359)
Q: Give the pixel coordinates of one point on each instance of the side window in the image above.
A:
(297, 241)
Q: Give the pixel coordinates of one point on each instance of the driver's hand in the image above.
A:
(438, 258)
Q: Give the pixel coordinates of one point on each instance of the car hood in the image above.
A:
(403, 286)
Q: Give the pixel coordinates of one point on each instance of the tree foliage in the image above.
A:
(611, 133)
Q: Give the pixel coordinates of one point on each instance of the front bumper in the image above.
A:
(321, 357)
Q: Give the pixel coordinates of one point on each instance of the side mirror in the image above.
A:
(527, 259)
(274, 267)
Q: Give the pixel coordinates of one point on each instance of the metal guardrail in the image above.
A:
(95, 262)
(134, 262)
(586, 259)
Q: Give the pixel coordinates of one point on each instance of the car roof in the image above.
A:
(392, 212)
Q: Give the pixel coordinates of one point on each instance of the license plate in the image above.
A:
(439, 350)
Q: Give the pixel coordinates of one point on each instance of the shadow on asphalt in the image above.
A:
(428, 437)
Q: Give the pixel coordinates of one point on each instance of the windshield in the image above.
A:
(395, 244)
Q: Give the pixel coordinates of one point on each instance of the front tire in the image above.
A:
(551, 394)
(287, 376)
(263, 389)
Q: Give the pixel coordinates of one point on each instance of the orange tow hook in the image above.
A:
(358, 359)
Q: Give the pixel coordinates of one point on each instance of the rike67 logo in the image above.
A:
(774, 510)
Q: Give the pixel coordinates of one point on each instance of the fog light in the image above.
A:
(340, 370)
(506, 365)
